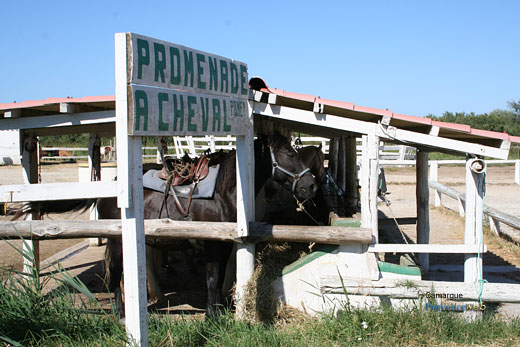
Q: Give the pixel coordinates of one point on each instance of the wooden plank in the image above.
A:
(66, 107)
(411, 289)
(59, 120)
(170, 229)
(57, 191)
(422, 194)
(130, 200)
(434, 172)
(426, 248)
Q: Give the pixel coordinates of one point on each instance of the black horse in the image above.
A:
(274, 158)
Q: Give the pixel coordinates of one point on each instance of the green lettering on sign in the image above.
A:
(141, 110)
(205, 113)
(215, 103)
(234, 78)
(178, 113)
(175, 66)
(226, 127)
(243, 80)
(162, 97)
(223, 76)
(160, 61)
(200, 71)
(213, 75)
(192, 100)
(188, 68)
(143, 56)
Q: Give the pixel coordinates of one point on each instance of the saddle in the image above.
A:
(185, 171)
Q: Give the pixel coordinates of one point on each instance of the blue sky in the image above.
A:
(413, 57)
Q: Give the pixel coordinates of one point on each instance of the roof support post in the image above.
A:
(475, 172)
(423, 206)
(245, 253)
(351, 185)
(30, 155)
(369, 183)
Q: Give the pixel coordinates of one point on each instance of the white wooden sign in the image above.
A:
(176, 90)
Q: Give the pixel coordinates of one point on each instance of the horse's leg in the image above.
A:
(217, 254)
(156, 294)
(114, 270)
(230, 276)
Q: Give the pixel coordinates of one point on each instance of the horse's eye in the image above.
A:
(291, 154)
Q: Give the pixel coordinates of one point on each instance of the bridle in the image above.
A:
(296, 177)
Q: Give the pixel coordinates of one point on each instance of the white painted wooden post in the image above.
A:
(373, 152)
(517, 171)
(475, 171)
(494, 225)
(30, 176)
(94, 167)
(364, 179)
(130, 200)
(423, 212)
(434, 172)
(245, 213)
(369, 183)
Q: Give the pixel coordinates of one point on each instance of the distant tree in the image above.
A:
(515, 105)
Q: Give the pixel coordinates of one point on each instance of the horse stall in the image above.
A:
(163, 89)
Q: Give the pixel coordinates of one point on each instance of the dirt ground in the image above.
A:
(446, 227)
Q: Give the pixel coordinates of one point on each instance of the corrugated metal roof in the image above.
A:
(448, 130)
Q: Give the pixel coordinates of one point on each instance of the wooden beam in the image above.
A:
(59, 120)
(170, 229)
(429, 248)
(411, 289)
(66, 107)
(362, 127)
(58, 191)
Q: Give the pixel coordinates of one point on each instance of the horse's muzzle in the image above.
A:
(306, 188)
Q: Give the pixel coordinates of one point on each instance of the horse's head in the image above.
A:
(287, 168)
(314, 159)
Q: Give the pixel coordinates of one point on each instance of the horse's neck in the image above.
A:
(263, 170)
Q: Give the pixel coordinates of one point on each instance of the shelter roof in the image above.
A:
(57, 105)
(350, 110)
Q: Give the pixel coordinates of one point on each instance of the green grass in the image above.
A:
(28, 316)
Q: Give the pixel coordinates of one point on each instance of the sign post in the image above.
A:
(165, 89)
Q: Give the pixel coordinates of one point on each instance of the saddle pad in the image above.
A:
(203, 190)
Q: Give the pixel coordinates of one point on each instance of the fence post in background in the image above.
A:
(434, 170)
(517, 171)
(162, 149)
(423, 206)
(94, 166)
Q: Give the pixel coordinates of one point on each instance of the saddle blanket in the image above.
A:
(203, 190)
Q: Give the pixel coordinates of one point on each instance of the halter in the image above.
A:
(296, 177)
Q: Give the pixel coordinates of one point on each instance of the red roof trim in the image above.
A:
(50, 101)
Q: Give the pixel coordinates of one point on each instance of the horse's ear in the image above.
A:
(319, 147)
